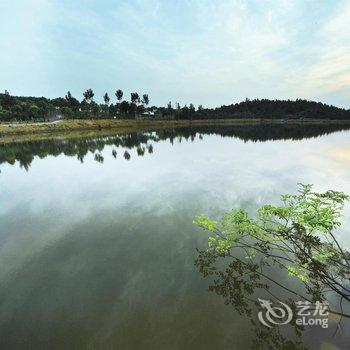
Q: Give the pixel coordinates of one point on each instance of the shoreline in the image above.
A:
(12, 132)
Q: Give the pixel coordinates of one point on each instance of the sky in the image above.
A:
(199, 51)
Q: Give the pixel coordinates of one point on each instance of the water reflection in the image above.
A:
(100, 256)
(240, 286)
(24, 152)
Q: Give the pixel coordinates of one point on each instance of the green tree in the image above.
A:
(124, 107)
(88, 95)
(67, 112)
(105, 108)
(68, 96)
(73, 105)
(192, 110)
(119, 95)
(145, 99)
(8, 100)
(135, 98)
(295, 238)
(106, 98)
(34, 111)
(3, 114)
(94, 109)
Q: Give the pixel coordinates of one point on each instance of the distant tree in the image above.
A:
(91, 95)
(192, 110)
(145, 99)
(3, 114)
(106, 98)
(17, 112)
(135, 100)
(94, 109)
(127, 155)
(7, 101)
(99, 158)
(185, 112)
(68, 96)
(67, 112)
(34, 111)
(73, 105)
(58, 102)
(124, 107)
(119, 95)
(134, 97)
(105, 108)
(88, 95)
(140, 151)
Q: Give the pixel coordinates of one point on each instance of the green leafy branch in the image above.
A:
(296, 236)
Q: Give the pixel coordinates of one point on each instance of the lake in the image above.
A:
(97, 245)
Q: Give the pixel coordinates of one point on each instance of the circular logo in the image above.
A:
(274, 315)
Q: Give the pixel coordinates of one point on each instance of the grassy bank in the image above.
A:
(75, 128)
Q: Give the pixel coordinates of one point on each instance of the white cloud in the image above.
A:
(228, 54)
(25, 46)
(201, 51)
(330, 72)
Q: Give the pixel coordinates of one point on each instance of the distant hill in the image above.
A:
(277, 109)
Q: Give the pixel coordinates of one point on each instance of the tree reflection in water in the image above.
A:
(24, 152)
(127, 155)
(238, 285)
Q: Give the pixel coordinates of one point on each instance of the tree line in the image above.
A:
(69, 107)
(21, 108)
(275, 109)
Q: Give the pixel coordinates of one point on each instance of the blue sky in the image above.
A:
(205, 52)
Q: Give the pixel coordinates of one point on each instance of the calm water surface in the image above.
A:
(97, 252)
